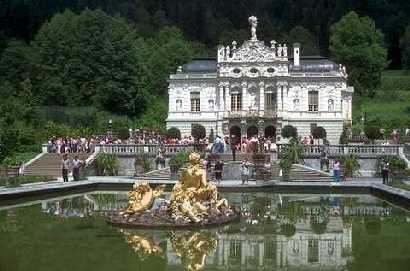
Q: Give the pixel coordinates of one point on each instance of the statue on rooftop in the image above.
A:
(253, 21)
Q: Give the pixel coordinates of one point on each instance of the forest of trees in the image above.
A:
(111, 58)
(213, 21)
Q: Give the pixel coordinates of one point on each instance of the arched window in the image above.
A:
(179, 105)
(296, 105)
(211, 105)
(331, 105)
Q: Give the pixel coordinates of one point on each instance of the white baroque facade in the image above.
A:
(258, 89)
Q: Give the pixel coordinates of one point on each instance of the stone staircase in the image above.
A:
(49, 164)
(300, 173)
(160, 174)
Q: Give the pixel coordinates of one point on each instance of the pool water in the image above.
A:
(276, 232)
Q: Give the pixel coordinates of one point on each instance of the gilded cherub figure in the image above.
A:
(141, 198)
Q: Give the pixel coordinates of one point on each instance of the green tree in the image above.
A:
(89, 58)
(356, 43)
(303, 36)
(319, 132)
(160, 56)
(198, 131)
(174, 132)
(405, 48)
(289, 131)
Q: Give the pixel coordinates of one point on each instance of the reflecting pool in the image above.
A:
(276, 232)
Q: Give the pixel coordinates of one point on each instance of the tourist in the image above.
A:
(233, 148)
(244, 172)
(218, 169)
(65, 166)
(385, 172)
(159, 161)
(336, 170)
(324, 161)
(22, 168)
(77, 163)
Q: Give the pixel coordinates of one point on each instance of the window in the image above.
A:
(195, 102)
(313, 251)
(296, 105)
(179, 105)
(236, 70)
(253, 70)
(331, 105)
(270, 101)
(236, 102)
(271, 70)
(313, 97)
(211, 105)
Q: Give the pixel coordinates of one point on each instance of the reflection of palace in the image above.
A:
(83, 205)
(249, 249)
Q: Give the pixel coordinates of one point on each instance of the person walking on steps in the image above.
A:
(77, 163)
(385, 172)
(65, 166)
(336, 171)
(244, 172)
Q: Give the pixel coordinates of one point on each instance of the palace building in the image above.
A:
(257, 89)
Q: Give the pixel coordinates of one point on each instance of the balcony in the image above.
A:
(239, 114)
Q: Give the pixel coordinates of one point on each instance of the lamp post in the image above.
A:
(130, 130)
(109, 130)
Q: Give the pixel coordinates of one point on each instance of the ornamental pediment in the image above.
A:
(252, 51)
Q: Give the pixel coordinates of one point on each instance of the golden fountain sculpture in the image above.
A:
(193, 201)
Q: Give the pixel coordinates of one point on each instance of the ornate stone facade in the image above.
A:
(257, 88)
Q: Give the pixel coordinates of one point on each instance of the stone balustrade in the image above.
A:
(149, 149)
(308, 151)
(358, 150)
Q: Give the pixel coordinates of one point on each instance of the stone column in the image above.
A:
(245, 100)
(228, 98)
(221, 98)
(279, 96)
(244, 125)
(261, 127)
(261, 97)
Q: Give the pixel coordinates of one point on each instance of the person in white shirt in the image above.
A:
(77, 163)
(65, 166)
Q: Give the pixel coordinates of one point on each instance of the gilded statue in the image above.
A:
(193, 248)
(141, 198)
(143, 246)
(193, 198)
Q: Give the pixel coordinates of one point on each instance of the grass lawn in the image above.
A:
(391, 104)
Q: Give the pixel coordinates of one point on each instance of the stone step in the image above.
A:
(50, 164)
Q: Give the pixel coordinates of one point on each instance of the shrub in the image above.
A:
(319, 132)
(123, 133)
(179, 160)
(395, 163)
(107, 165)
(289, 131)
(198, 131)
(174, 132)
(350, 164)
(373, 132)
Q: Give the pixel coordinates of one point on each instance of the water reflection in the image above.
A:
(276, 231)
